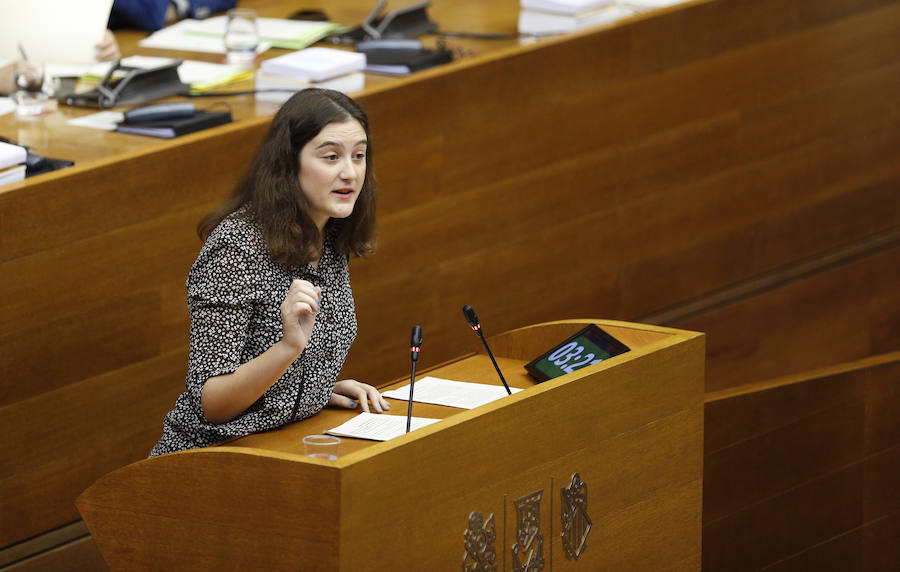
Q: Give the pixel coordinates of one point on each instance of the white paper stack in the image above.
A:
(208, 35)
(645, 5)
(541, 17)
(278, 89)
(279, 78)
(315, 64)
(12, 163)
(570, 7)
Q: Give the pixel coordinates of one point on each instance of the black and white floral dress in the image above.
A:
(234, 297)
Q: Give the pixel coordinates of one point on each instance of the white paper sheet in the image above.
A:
(178, 36)
(106, 120)
(7, 105)
(644, 5)
(52, 31)
(378, 426)
(462, 394)
(267, 28)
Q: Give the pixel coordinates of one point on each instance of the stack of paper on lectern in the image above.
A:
(12, 163)
(560, 16)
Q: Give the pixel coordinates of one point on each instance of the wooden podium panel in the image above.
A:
(630, 427)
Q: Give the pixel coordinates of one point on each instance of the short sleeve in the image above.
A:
(222, 286)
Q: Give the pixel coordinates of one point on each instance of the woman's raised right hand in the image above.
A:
(298, 313)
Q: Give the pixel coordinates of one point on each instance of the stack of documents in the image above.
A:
(541, 17)
(405, 62)
(315, 64)
(645, 5)
(12, 163)
(329, 68)
(209, 35)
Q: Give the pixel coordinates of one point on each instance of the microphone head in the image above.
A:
(415, 339)
(470, 315)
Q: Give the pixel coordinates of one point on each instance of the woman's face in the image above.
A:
(333, 169)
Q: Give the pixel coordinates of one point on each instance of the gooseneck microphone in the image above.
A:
(472, 318)
(415, 346)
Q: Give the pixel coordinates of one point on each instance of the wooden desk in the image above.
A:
(52, 137)
(620, 172)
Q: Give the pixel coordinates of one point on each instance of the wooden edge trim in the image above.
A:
(36, 545)
(860, 364)
(769, 281)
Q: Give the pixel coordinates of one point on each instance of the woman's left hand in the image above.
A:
(348, 392)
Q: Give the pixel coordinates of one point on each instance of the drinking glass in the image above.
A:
(321, 446)
(28, 88)
(241, 36)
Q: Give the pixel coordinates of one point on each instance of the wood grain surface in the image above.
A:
(802, 472)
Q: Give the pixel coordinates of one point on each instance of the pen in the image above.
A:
(22, 51)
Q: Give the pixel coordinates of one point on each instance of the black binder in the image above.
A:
(169, 128)
(405, 62)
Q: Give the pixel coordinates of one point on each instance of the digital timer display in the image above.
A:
(588, 347)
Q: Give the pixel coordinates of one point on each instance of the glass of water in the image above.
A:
(241, 36)
(321, 446)
(28, 88)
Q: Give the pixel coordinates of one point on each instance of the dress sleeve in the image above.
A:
(222, 287)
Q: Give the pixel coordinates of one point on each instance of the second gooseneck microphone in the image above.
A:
(472, 318)
(415, 346)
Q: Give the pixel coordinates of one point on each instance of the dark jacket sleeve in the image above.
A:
(205, 8)
(151, 14)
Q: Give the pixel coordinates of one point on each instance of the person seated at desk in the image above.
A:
(272, 312)
(155, 14)
(106, 50)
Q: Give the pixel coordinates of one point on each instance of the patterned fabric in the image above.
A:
(234, 296)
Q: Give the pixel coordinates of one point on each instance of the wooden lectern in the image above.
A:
(600, 469)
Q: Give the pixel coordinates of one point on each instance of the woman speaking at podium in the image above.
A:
(272, 313)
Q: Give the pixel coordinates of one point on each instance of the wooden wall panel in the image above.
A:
(781, 526)
(122, 189)
(58, 443)
(881, 544)
(838, 315)
(804, 469)
(672, 182)
(79, 317)
(77, 556)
